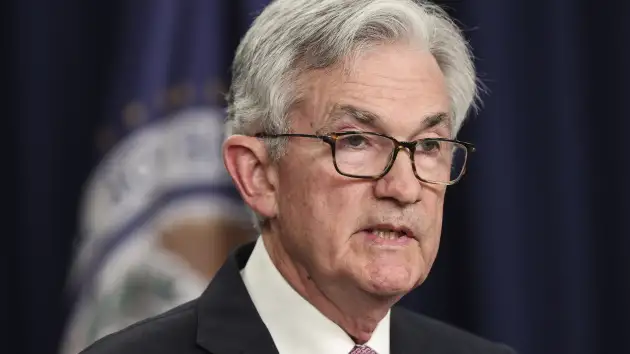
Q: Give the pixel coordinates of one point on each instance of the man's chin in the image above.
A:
(389, 295)
(394, 288)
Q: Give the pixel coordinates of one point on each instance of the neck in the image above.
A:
(356, 311)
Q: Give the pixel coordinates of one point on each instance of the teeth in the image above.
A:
(388, 234)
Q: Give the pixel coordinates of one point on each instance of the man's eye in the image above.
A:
(353, 141)
(428, 145)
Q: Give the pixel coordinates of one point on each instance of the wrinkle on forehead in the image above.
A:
(373, 53)
(390, 82)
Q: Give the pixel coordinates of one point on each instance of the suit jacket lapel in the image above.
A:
(406, 339)
(228, 321)
(398, 335)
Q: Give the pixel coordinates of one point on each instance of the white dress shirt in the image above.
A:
(296, 326)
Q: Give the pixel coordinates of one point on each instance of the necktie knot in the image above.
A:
(362, 349)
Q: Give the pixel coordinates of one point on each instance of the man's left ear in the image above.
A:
(248, 163)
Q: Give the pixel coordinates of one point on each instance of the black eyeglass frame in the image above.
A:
(331, 139)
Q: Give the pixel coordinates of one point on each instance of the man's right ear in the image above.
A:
(248, 162)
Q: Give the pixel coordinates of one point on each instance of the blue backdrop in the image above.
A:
(535, 240)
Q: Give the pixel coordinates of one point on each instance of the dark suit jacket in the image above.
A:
(223, 320)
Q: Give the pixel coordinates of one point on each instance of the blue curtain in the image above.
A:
(87, 76)
(535, 236)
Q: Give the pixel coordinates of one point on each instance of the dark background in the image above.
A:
(535, 237)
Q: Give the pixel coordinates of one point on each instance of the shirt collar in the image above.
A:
(295, 325)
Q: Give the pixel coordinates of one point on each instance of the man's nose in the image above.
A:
(400, 183)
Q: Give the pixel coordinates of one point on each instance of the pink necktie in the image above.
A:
(362, 349)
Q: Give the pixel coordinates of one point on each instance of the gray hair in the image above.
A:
(291, 37)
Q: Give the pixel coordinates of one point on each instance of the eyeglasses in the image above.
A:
(371, 155)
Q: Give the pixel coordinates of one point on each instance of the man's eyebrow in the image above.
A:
(343, 110)
(361, 115)
(374, 120)
(433, 120)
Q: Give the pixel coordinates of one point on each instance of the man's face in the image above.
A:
(330, 224)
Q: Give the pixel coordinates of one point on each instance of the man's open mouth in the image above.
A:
(389, 232)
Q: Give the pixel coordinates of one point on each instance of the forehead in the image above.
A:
(399, 83)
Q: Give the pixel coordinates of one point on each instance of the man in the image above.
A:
(342, 122)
